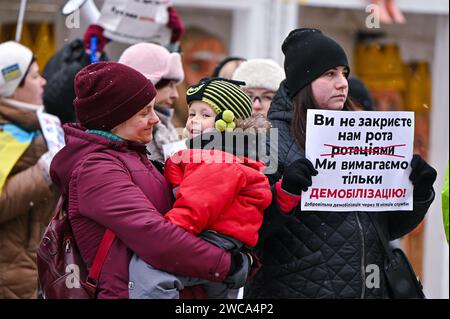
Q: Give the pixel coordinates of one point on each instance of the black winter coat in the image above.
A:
(320, 254)
(60, 72)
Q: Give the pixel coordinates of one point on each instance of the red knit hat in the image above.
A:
(109, 93)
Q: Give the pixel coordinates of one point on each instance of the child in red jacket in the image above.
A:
(221, 191)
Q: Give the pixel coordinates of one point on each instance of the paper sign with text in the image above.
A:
(52, 131)
(363, 160)
(135, 21)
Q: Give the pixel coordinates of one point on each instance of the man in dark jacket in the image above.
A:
(60, 73)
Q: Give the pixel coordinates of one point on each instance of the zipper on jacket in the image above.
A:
(67, 246)
(363, 257)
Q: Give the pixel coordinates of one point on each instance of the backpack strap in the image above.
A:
(99, 260)
(102, 251)
(59, 208)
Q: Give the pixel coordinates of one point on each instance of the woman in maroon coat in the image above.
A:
(104, 173)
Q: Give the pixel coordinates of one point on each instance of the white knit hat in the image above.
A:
(14, 62)
(260, 73)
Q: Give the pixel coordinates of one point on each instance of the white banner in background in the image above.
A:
(134, 21)
(363, 160)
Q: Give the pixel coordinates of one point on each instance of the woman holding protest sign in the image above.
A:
(307, 254)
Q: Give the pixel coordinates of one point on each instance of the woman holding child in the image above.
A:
(108, 183)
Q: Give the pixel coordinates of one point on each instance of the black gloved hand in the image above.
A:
(297, 176)
(423, 177)
(239, 270)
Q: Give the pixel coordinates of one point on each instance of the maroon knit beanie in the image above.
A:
(109, 93)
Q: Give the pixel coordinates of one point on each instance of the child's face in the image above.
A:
(201, 118)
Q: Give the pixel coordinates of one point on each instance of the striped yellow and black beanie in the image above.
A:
(222, 95)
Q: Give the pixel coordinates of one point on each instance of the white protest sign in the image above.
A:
(172, 148)
(134, 21)
(52, 130)
(363, 160)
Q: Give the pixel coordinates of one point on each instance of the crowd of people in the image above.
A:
(197, 222)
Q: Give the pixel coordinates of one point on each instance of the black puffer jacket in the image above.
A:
(320, 254)
(60, 73)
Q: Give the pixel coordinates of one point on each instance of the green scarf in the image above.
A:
(106, 134)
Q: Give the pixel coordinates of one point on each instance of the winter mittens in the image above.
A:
(297, 176)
